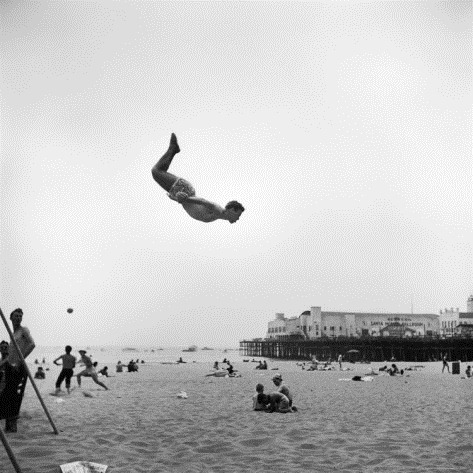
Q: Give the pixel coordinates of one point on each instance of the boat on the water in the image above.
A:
(191, 348)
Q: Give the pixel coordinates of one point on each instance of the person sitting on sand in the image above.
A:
(183, 192)
(275, 402)
(40, 374)
(89, 370)
(257, 406)
(282, 388)
(119, 367)
(216, 366)
(104, 371)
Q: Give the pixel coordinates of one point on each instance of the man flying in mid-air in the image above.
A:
(182, 191)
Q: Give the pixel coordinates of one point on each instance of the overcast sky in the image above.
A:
(344, 128)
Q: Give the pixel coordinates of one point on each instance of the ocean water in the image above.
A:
(110, 355)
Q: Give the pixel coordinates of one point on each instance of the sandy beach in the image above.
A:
(419, 422)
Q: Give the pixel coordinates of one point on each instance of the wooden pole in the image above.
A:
(12, 338)
(10, 452)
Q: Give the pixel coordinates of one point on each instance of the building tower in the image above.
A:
(469, 304)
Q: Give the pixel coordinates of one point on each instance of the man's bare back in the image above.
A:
(183, 192)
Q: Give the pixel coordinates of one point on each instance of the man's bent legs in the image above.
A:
(160, 170)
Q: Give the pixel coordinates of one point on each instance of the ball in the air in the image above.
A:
(69, 311)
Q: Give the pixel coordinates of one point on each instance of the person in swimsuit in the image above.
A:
(16, 374)
(183, 192)
(89, 370)
(68, 365)
(274, 402)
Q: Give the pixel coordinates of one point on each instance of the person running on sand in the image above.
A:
(89, 370)
(68, 365)
(183, 192)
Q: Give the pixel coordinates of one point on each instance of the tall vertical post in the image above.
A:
(9, 452)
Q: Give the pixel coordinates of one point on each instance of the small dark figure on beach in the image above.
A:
(445, 364)
(104, 371)
(40, 374)
(68, 365)
(183, 192)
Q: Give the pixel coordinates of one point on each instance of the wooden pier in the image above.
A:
(364, 348)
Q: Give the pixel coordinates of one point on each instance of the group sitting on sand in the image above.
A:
(223, 372)
(277, 401)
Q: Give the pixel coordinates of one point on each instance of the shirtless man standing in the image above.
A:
(183, 192)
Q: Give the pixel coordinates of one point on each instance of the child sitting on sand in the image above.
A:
(258, 406)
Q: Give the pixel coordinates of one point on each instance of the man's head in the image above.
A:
(233, 210)
(82, 352)
(16, 316)
(259, 388)
(277, 379)
(68, 349)
(4, 347)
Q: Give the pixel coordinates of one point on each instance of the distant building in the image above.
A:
(453, 322)
(315, 324)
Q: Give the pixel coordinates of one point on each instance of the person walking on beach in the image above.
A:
(183, 192)
(340, 358)
(445, 364)
(89, 370)
(68, 365)
(16, 374)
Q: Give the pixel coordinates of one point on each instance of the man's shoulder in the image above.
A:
(24, 330)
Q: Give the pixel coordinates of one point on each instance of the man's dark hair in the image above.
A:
(233, 204)
(68, 348)
(19, 311)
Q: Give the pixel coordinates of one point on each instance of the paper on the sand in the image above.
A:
(83, 467)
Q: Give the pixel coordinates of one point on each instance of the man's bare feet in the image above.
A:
(173, 146)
